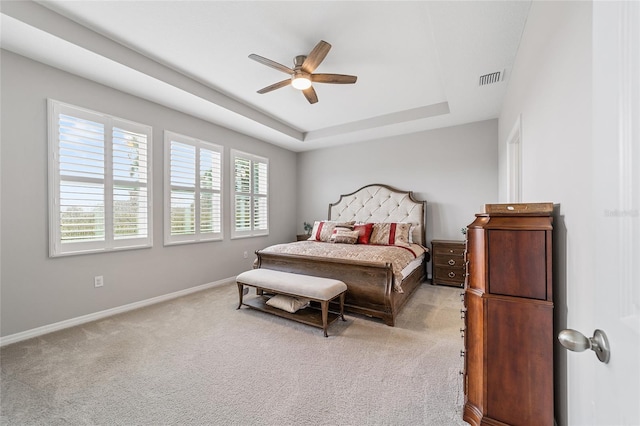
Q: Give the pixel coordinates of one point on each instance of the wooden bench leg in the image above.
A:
(325, 315)
(240, 294)
(342, 306)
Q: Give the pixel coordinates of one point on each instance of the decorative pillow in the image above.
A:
(391, 234)
(344, 236)
(364, 232)
(322, 230)
(288, 303)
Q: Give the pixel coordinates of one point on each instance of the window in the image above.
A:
(99, 182)
(250, 216)
(193, 190)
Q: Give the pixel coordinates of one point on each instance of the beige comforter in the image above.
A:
(398, 257)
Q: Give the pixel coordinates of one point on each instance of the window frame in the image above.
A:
(110, 243)
(236, 234)
(514, 163)
(198, 144)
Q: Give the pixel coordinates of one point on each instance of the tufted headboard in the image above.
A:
(382, 203)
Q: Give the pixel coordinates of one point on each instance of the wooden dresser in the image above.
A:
(509, 317)
(448, 262)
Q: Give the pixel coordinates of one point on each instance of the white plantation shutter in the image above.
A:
(242, 194)
(80, 153)
(251, 197)
(130, 178)
(98, 182)
(193, 190)
(260, 195)
(211, 191)
(183, 189)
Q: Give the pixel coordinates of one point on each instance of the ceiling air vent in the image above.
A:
(494, 77)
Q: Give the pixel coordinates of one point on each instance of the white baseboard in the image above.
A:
(39, 331)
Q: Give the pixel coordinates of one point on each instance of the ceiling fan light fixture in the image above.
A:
(301, 81)
(302, 73)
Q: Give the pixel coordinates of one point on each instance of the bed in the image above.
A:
(378, 286)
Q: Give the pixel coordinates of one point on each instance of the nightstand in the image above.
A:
(302, 237)
(448, 262)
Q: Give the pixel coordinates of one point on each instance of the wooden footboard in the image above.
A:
(370, 285)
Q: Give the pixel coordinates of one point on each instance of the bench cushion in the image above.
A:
(300, 285)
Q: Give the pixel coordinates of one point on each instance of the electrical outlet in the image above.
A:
(246, 255)
(98, 281)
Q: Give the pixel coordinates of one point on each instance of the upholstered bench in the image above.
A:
(318, 289)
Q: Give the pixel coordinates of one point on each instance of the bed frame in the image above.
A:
(370, 284)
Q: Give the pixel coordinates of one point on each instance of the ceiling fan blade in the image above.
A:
(316, 56)
(270, 63)
(310, 94)
(275, 86)
(333, 78)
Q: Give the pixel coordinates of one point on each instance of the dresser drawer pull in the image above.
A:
(450, 251)
(452, 274)
(451, 262)
(463, 314)
(462, 353)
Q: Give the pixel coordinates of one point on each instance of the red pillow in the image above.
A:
(365, 232)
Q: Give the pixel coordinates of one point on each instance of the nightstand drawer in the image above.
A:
(448, 249)
(449, 275)
(449, 261)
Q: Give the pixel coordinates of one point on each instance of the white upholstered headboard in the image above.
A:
(382, 203)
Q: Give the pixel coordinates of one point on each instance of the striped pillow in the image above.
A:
(322, 230)
(391, 234)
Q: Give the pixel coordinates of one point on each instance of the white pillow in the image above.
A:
(288, 303)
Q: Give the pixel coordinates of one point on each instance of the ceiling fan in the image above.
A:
(301, 76)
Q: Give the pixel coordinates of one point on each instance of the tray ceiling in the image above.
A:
(418, 63)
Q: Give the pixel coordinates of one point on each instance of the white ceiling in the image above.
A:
(418, 62)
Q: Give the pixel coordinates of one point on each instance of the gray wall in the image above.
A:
(550, 87)
(37, 290)
(455, 169)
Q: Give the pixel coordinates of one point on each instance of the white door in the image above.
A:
(615, 387)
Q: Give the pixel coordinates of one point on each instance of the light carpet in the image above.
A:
(197, 360)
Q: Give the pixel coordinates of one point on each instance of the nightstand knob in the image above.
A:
(451, 262)
(450, 251)
(452, 274)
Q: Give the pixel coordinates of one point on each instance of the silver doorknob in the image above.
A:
(578, 342)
